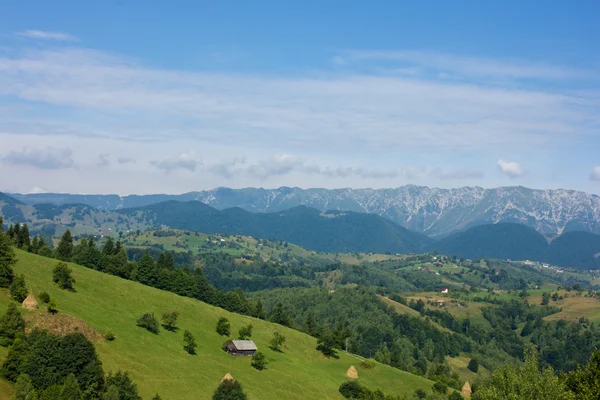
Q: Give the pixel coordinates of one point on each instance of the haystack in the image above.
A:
(30, 303)
(466, 389)
(227, 377)
(352, 373)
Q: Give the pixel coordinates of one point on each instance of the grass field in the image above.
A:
(159, 364)
(574, 306)
(239, 246)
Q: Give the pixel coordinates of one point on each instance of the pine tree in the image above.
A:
(11, 324)
(146, 270)
(23, 239)
(61, 274)
(259, 311)
(109, 247)
(279, 316)
(189, 343)
(24, 389)
(18, 289)
(7, 259)
(326, 342)
(70, 389)
(310, 324)
(64, 251)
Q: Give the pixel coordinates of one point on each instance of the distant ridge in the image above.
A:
(435, 212)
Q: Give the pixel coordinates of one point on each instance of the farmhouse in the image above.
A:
(241, 347)
(445, 290)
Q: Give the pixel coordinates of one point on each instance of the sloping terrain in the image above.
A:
(158, 363)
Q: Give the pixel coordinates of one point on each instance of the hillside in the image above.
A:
(433, 211)
(578, 249)
(306, 227)
(502, 241)
(158, 362)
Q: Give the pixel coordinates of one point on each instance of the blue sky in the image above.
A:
(146, 97)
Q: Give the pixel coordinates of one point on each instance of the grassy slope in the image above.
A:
(158, 362)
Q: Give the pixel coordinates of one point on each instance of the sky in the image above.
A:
(170, 97)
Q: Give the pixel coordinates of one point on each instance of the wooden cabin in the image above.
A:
(241, 347)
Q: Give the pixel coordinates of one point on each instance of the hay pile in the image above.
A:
(352, 373)
(30, 303)
(227, 377)
(466, 389)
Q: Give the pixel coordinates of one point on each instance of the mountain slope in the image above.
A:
(502, 241)
(306, 227)
(158, 363)
(436, 212)
(576, 249)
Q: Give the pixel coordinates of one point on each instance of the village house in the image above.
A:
(241, 347)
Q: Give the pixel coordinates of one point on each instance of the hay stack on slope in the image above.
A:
(30, 303)
(227, 377)
(352, 373)
(466, 389)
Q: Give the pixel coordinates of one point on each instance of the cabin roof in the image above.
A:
(244, 344)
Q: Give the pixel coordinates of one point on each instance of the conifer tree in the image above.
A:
(146, 270)
(11, 324)
(70, 389)
(64, 251)
(18, 289)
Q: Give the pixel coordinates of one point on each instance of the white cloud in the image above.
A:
(595, 175)
(186, 160)
(47, 158)
(465, 66)
(44, 35)
(345, 111)
(125, 160)
(511, 169)
(103, 160)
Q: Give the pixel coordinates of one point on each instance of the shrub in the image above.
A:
(148, 321)
(455, 396)
(52, 307)
(440, 387)
(189, 343)
(229, 390)
(245, 332)
(473, 365)
(18, 290)
(169, 320)
(45, 297)
(351, 390)
(223, 327)
(259, 361)
(368, 364)
(61, 274)
(277, 341)
(110, 336)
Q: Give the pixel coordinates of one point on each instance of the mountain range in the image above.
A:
(330, 231)
(432, 211)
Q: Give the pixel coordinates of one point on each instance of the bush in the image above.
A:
(61, 274)
(351, 390)
(189, 343)
(473, 365)
(277, 341)
(223, 327)
(45, 297)
(455, 396)
(148, 321)
(169, 320)
(259, 361)
(229, 390)
(440, 387)
(52, 307)
(18, 290)
(368, 364)
(110, 336)
(245, 332)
